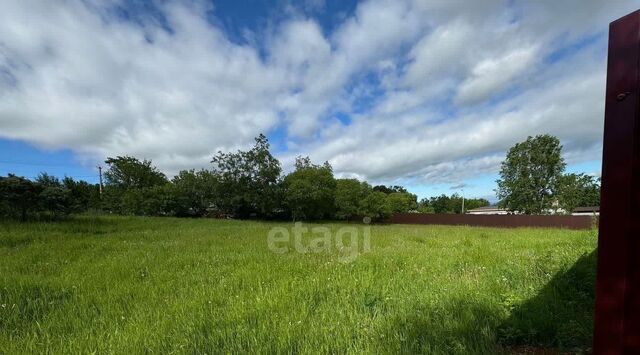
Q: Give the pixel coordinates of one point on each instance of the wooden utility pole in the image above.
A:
(617, 317)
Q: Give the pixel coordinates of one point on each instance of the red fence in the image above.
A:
(570, 222)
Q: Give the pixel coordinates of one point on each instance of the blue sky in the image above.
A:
(422, 93)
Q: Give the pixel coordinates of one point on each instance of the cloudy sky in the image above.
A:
(424, 93)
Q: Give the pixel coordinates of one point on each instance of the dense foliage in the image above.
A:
(576, 190)
(310, 190)
(47, 196)
(529, 175)
(243, 184)
(350, 193)
(250, 184)
(248, 181)
(450, 204)
(532, 180)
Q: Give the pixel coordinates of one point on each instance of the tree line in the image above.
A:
(251, 184)
(243, 184)
(46, 195)
(450, 204)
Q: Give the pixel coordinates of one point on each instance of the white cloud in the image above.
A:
(436, 90)
(568, 103)
(111, 87)
(493, 75)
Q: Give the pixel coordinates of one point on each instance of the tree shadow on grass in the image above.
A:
(459, 326)
(560, 316)
(559, 319)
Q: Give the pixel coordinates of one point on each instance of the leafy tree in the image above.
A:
(425, 209)
(441, 204)
(456, 203)
(84, 196)
(450, 204)
(349, 194)
(303, 163)
(46, 180)
(375, 206)
(156, 200)
(194, 192)
(576, 190)
(54, 197)
(401, 202)
(130, 173)
(248, 180)
(5, 208)
(389, 189)
(529, 176)
(19, 196)
(473, 203)
(129, 182)
(55, 200)
(424, 206)
(310, 190)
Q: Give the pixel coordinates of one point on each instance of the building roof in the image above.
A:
(587, 209)
(487, 208)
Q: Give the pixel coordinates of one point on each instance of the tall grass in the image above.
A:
(163, 285)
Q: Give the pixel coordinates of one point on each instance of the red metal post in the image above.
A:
(617, 317)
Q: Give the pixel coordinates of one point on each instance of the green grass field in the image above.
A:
(163, 285)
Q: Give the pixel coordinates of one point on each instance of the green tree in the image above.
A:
(450, 204)
(401, 202)
(375, 206)
(55, 200)
(310, 190)
(248, 180)
(128, 181)
(349, 194)
(578, 190)
(424, 206)
(158, 200)
(389, 189)
(54, 197)
(19, 196)
(473, 203)
(441, 204)
(84, 196)
(529, 176)
(130, 173)
(46, 180)
(194, 192)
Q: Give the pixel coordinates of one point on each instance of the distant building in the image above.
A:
(488, 210)
(586, 211)
(578, 211)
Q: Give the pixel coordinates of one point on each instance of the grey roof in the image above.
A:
(587, 209)
(487, 208)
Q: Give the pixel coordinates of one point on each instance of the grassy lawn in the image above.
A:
(164, 285)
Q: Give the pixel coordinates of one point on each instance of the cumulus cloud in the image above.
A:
(103, 86)
(567, 101)
(435, 91)
(495, 74)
